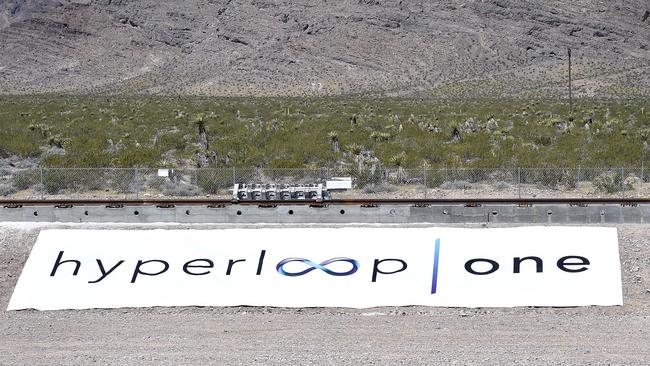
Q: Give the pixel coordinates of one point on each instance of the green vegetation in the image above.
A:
(67, 131)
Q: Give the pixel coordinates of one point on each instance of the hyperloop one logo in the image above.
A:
(321, 266)
(355, 267)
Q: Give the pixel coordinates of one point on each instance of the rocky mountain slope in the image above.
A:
(316, 47)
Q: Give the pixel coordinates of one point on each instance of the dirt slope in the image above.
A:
(307, 47)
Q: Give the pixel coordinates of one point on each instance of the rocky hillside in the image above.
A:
(316, 47)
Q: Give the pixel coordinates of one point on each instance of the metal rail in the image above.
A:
(354, 201)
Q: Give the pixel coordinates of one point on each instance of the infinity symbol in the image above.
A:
(321, 266)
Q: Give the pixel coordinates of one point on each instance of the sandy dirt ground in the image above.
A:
(378, 336)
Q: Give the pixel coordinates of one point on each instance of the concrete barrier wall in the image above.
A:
(497, 213)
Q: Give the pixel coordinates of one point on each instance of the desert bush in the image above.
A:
(289, 132)
(180, 189)
(364, 177)
(550, 177)
(57, 180)
(499, 175)
(379, 188)
(611, 182)
(171, 140)
(380, 136)
(7, 189)
(631, 181)
(500, 185)
(434, 178)
(26, 179)
(456, 184)
(120, 180)
(211, 181)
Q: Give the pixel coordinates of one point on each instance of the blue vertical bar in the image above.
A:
(434, 281)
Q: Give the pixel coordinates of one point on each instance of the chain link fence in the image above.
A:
(143, 183)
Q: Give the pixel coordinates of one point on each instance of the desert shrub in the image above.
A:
(364, 177)
(550, 177)
(631, 181)
(212, 181)
(180, 189)
(568, 179)
(456, 184)
(26, 179)
(299, 132)
(379, 188)
(57, 180)
(16, 141)
(499, 175)
(168, 141)
(120, 180)
(611, 182)
(149, 181)
(500, 185)
(401, 176)
(434, 178)
(7, 189)
(380, 136)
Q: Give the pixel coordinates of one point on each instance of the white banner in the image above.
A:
(322, 267)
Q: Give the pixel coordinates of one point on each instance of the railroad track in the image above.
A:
(372, 211)
(468, 202)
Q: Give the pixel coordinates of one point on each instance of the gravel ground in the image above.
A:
(379, 336)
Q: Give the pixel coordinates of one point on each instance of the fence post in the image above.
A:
(116, 172)
(424, 174)
(622, 182)
(519, 181)
(642, 180)
(233, 177)
(42, 187)
(137, 183)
